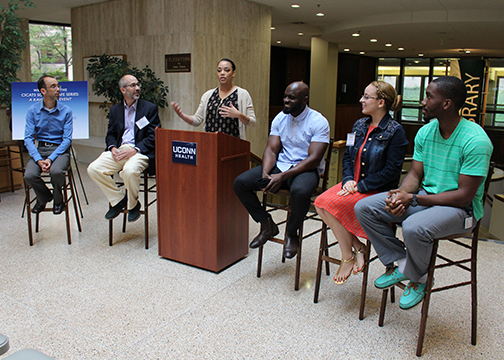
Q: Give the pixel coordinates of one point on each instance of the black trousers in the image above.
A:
(301, 189)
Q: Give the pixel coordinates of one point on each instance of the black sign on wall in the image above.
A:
(178, 63)
(472, 73)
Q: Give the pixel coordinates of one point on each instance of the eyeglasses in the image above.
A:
(134, 85)
(367, 97)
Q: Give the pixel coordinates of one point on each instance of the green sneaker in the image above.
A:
(391, 277)
(412, 295)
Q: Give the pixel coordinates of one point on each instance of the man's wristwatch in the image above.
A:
(414, 201)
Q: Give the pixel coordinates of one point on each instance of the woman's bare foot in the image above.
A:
(344, 271)
(359, 259)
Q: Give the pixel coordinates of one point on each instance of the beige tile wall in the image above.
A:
(146, 30)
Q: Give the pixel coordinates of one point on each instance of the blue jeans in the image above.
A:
(420, 224)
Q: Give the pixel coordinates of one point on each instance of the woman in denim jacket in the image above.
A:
(371, 164)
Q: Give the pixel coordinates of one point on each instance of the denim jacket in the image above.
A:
(381, 157)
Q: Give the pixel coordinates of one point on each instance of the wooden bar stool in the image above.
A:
(69, 186)
(147, 188)
(324, 256)
(313, 216)
(11, 161)
(468, 264)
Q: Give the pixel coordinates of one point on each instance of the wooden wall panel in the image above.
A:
(146, 30)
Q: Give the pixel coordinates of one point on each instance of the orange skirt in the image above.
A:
(342, 208)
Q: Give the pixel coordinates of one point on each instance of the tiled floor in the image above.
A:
(91, 301)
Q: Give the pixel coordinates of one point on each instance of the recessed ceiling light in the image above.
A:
(279, 42)
(272, 28)
(373, 40)
(295, 6)
(361, 52)
(416, 61)
(300, 33)
(388, 44)
(346, 49)
(356, 34)
(468, 51)
(420, 54)
(400, 49)
(320, 14)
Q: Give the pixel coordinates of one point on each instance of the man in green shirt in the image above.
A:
(441, 195)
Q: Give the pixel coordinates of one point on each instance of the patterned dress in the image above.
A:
(214, 121)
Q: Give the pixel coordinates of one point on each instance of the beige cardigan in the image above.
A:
(245, 106)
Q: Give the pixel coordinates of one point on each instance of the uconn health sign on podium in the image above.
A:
(184, 152)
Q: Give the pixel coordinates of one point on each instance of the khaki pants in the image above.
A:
(101, 169)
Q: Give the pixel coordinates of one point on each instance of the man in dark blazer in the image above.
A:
(130, 145)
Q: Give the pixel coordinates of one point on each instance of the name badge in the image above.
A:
(143, 122)
(350, 139)
(468, 222)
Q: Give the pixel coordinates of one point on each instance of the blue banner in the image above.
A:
(184, 152)
(74, 94)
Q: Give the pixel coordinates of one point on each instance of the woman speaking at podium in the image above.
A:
(227, 108)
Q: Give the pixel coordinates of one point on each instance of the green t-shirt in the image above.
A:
(466, 152)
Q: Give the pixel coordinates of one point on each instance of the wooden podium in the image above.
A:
(201, 221)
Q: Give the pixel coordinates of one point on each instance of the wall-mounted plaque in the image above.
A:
(178, 63)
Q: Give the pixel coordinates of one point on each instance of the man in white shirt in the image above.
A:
(293, 159)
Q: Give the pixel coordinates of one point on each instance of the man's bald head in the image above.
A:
(295, 98)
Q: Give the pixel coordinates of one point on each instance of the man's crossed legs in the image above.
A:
(420, 225)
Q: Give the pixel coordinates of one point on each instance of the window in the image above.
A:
(51, 51)
(495, 98)
(412, 82)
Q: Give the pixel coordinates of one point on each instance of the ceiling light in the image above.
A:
(362, 52)
(279, 42)
(388, 44)
(272, 28)
(346, 49)
(420, 54)
(373, 40)
(320, 14)
(300, 33)
(295, 6)
(416, 61)
(356, 34)
(400, 49)
(468, 51)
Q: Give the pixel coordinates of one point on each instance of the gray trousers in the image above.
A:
(57, 172)
(420, 225)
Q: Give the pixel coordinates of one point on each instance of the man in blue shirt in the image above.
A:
(50, 123)
(293, 159)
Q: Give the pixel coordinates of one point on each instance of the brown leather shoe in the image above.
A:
(291, 246)
(268, 230)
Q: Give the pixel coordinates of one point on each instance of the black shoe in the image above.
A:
(291, 246)
(114, 211)
(134, 213)
(268, 230)
(58, 208)
(38, 208)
